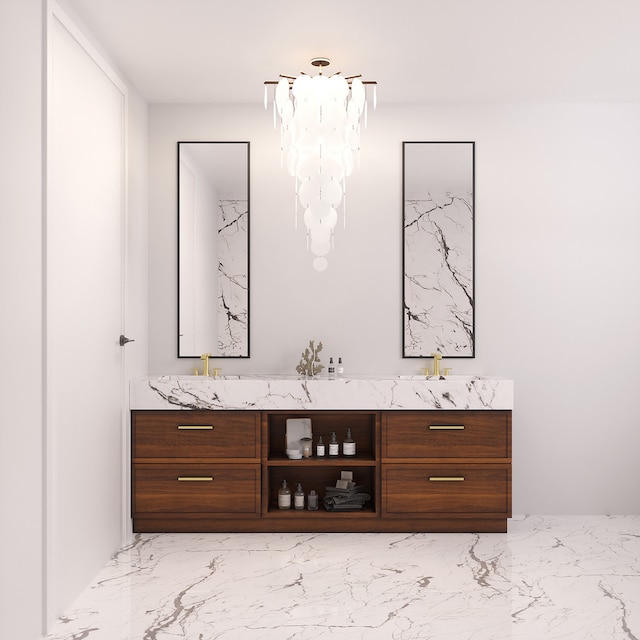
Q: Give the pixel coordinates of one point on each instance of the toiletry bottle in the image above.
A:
(312, 501)
(298, 498)
(340, 369)
(331, 370)
(320, 450)
(306, 447)
(349, 445)
(284, 496)
(334, 447)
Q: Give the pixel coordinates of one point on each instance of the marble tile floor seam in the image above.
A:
(548, 578)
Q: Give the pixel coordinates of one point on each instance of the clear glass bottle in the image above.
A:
(331, 369)
(334, 447)
(349, 445)
(340, 369)
(298, 498)
(312, 501)
(306, 447)
(320, 448)
(284, 496)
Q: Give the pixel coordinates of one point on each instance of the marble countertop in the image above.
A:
(373, 392)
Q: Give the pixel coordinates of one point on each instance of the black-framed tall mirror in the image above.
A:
(438, 200)
(213, 249)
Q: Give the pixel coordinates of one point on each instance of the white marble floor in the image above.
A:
(575, 578)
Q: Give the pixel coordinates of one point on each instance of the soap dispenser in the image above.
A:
(334, 447)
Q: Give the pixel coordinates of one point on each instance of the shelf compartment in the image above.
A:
(317, 477)
(362, 424)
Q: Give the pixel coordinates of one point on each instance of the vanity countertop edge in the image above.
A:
(275, 392)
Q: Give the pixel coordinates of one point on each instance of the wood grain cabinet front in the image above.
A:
(446, 434)
(196, 434)
(431, 471)
(444, 468)
(411, 489)
(195, 470)
(196, 489)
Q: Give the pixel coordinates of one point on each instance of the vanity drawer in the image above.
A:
(195, 434)
(446, 434)
(196, 489)
(439, 489)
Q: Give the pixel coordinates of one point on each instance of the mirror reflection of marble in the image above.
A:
(213, 249)
(438, 249)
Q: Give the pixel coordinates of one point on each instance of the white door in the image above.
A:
(84, 312)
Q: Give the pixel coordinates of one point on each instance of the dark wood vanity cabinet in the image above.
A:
(448, 466)
(194, 468)
(221, 471)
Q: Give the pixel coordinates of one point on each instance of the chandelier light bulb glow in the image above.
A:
(320, 120)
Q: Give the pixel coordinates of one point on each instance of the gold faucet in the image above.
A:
(205, 367)
(436, 363)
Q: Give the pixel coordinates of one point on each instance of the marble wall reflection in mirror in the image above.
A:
(438, 249)
(213, 249)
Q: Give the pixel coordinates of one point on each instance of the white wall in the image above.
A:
(21, 437)
(198, 258)
(557, 274)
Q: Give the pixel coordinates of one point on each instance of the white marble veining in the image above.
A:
(286, 392)
(548, 578)
(438, 275)
(233, 278)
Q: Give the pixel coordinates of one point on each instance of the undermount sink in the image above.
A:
(282, 391)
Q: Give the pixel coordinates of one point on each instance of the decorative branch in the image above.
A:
(309, 365)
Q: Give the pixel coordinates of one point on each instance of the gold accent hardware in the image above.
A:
(205, 366)
(425, 371)
(436, 363)
(195, 478)
(446, 478)
(216, 371)
(446, 427)
(447, 371)
(195, 427)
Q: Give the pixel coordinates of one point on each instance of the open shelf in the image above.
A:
(362, 425)
(318, 477)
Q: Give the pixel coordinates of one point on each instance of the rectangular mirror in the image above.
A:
(213, 249)
(438, 249)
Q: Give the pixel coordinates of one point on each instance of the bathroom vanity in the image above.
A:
(209, 454)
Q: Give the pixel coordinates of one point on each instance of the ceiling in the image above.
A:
(419, 51)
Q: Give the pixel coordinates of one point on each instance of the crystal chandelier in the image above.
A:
(320, 119)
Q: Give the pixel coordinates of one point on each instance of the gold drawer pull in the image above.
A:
(195, 479)
(195, 427)
(446, 427)
(446, 478)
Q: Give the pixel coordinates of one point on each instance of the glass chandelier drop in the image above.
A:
(320, 121)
